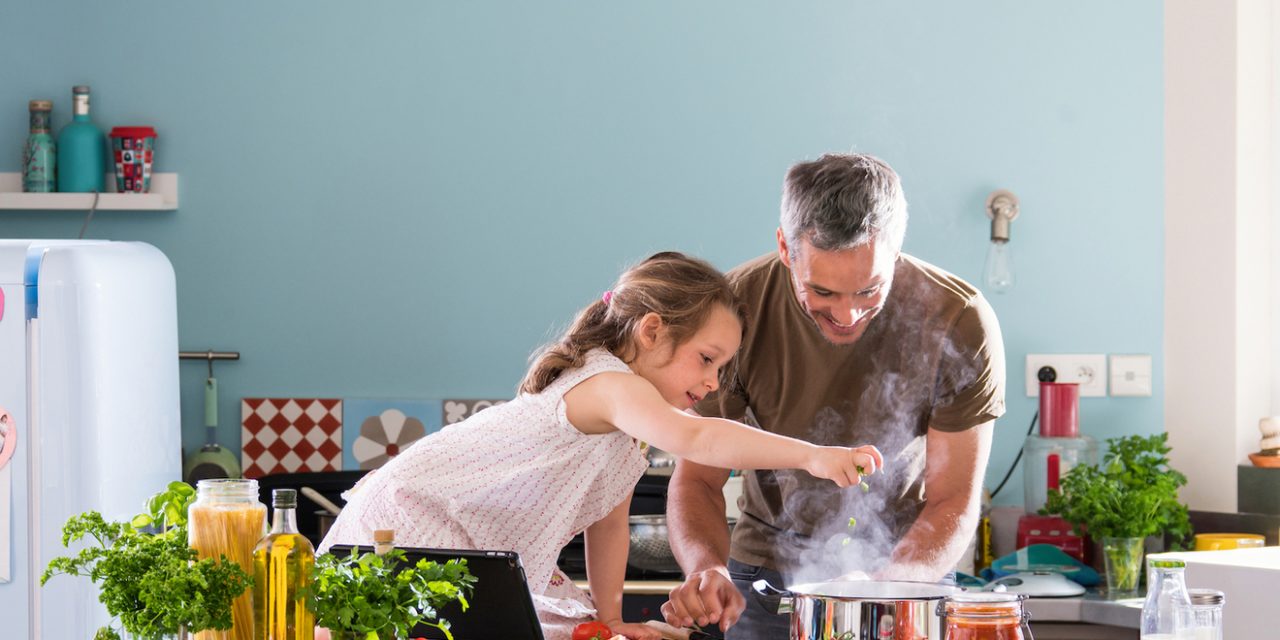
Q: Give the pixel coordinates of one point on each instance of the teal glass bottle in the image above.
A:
(39, 158)
(82, 149)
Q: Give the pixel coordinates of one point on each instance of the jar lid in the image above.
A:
(1206, 596)
(80, 89)
(133, 132)
(987, 597)
(40, 105)
(1168, 564)
(982, 605)
(237, 487)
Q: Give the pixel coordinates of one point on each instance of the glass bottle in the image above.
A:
(1165, 614)
(984, 616)
(282, 567)
(39, 155)
(82, 149)
(1206, 614)
(228, 520)
(384, 540)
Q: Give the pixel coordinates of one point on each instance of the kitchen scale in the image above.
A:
(1038, 584)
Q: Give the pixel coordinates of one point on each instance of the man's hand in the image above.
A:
(705, 597)
(853, 576)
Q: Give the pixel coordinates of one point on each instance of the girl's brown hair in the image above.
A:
(682, 290)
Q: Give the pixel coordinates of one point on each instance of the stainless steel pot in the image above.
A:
(324, 521)
(650, 549)
(651, 546)
(859, 610)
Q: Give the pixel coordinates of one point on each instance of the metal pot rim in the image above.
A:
(865, 590)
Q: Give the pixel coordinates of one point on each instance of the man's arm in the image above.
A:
(955, 464)
(700, 540)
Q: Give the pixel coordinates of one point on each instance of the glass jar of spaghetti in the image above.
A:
(984, 616)
(228, 520)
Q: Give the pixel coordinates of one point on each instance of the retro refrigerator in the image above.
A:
(88, 412)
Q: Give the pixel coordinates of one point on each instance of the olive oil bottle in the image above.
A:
(282, 567)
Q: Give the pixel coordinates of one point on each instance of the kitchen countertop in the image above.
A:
(1091, 608)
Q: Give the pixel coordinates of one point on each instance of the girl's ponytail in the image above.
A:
(569, 352)
(680, 289)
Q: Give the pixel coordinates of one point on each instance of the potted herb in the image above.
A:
(1133, 494)
(380, 597)
(152, 582)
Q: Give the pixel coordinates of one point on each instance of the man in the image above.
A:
(848, 340)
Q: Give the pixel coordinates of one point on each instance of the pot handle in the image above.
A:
(771, 598)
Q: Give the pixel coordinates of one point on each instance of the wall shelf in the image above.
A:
(163, 196)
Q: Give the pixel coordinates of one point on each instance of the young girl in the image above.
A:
(566, 453)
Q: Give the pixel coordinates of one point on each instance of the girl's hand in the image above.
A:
(845, 466)
(634, 631)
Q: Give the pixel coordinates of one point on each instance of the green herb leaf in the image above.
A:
(381, 597)
(1132, 494)
(152, 583)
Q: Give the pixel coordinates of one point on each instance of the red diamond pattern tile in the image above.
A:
(259, 459)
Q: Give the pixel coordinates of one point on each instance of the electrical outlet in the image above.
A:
(1087, 369)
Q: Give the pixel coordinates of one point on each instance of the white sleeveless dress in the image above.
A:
(517, 477)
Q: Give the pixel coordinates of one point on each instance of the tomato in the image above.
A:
(592, 631)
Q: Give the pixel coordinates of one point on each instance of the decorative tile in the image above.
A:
(289, 435)
(377, 430)
(457, 409)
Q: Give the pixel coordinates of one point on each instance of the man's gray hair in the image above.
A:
(842, 201)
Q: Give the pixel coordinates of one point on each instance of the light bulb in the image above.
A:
(999, 269)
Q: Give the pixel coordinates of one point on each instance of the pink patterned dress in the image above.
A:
(517, 477)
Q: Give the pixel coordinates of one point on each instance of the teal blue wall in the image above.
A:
(404, 198)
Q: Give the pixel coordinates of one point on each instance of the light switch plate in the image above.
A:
(1130, 375)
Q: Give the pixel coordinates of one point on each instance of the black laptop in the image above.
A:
(500, 608)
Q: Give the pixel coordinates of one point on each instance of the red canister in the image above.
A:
(132, 150)
(1059, 409)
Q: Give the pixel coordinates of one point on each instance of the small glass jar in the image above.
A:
(984, 616)
(1206, 614)
(228, 520)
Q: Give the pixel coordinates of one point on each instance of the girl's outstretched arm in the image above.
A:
(629, 403)
(608, 541)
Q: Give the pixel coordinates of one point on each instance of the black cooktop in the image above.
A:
(650, 498)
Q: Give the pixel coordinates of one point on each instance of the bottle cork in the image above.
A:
(383, 541)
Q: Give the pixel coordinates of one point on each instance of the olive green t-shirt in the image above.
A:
(932, 358)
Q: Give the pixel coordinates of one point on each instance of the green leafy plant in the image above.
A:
(151, 581)
(374, 596)
(1132, 494)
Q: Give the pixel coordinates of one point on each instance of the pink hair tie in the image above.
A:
(608, 295)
